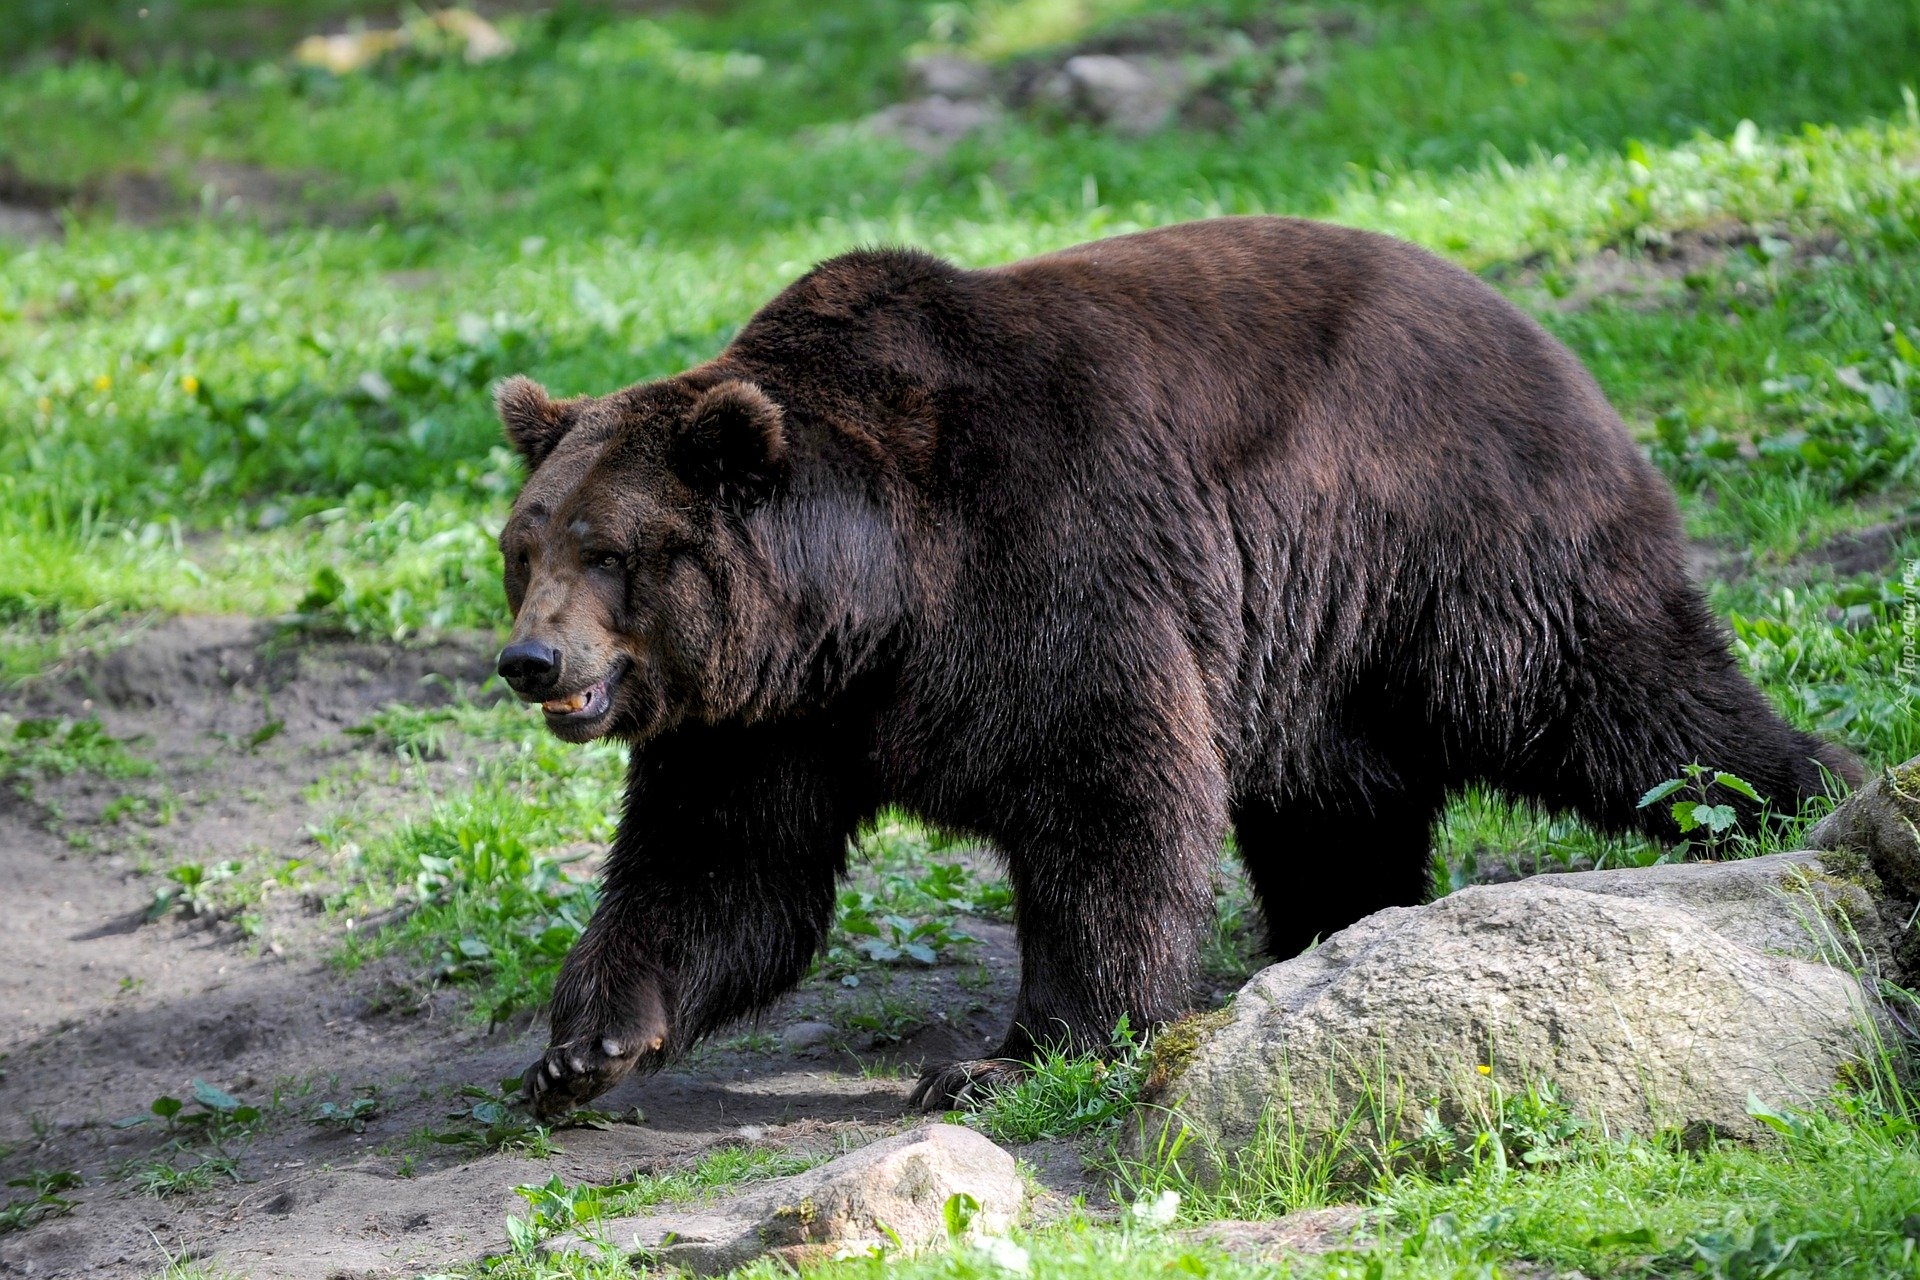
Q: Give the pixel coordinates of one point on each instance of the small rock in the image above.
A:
(1652, 998)
(1882, 822)
(1303, 1231)
(894, 1189)
(17, 223)
(480, 40)
(1129, 95)
(802, 1036)
(349, 51)
(477, 40)
(946, 75)
(931, 125)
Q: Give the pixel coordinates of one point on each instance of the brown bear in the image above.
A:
(1253, 525)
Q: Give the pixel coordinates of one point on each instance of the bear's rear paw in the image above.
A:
(963, 1084)
(572, 1074)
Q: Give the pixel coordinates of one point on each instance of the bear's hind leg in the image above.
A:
(1318, 867)
(1649, 698)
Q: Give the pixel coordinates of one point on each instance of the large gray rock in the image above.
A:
(1651, 998)
(893, 1191)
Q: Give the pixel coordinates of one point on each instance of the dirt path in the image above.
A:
(104, 1011)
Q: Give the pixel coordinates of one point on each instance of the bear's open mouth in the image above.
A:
(584, 705)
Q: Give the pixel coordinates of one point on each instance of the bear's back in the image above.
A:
(1266, 350)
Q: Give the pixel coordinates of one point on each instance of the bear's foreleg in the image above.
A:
(717, 893)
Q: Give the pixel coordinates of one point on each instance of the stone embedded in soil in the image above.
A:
(893, 1190)
(1651, 998)
(1881, 821)
(802, 1036)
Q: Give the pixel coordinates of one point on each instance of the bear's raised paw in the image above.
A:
(573, 1074)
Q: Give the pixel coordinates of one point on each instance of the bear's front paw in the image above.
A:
(574, 1073)
(962, 1084)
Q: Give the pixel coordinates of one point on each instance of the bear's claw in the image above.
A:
(954, 1085)
(571, 1075)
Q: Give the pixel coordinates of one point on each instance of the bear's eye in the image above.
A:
(612, 561)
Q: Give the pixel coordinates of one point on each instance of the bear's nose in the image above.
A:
(528, 662)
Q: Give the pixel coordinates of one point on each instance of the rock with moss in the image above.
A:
(1880, 822)
(1659, 998)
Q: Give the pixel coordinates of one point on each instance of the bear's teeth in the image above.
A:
(571, 703)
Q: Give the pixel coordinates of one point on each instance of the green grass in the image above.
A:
(1066, 1095)
(713, 1173)
(286, 415)
(555, 1205)
(1834, 1196)
(164, 1177)
(481, 878)
(39, 745)
(39, 1198)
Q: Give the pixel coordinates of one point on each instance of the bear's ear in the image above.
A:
(733, 443)
(534, 423)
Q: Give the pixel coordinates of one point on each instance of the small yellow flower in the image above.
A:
(44, 404)
(102, 382)
(190, 384)
(1484, 1069)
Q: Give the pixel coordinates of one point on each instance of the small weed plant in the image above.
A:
(494, 1121)
(165, 1177)
(884, 1019)
(1699, 803)
(1532, 1126)
(207, 1115)
(350, 1117)
(42, 1198)
(192, 890)
(1705, 818)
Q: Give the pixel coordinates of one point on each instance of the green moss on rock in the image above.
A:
(1175, 1046)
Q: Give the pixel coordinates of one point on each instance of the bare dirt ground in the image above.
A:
(102, 1011)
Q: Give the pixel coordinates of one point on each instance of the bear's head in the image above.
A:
(667, 560)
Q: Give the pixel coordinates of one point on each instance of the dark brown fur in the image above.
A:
(1250, 524)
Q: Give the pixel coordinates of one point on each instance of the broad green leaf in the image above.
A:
(214, 1099)
(1662, 791)
(958, 1213)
